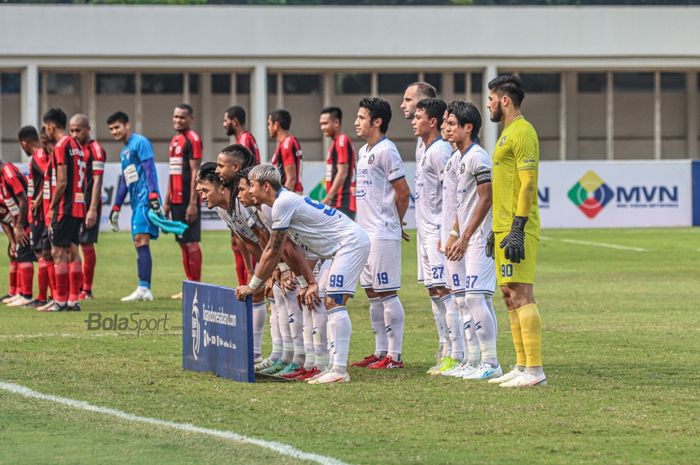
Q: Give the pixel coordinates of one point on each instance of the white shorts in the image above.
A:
(455, 275)
(344, 269)
(432, 262)
(383, 269)
(481, 270)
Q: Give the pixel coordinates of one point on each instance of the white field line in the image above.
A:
(278, 447)
(597, 244)
(82, 336)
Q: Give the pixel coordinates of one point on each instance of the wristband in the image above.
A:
(302, 282)
(282, 267)
(255, 283)
(454, 233)
(116, 208)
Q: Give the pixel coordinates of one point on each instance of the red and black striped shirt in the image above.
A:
(342, 152)
(288, 153)
(247, 140)
(37, 168)
(184, 146)
(13, 184)
(68, 152)
(95, 157)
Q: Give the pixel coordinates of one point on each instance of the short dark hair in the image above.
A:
(57, 117)
(465, 113)
(378, 108)
(186, 107)
(510, 85)
(207, 173)
(434, 108)
(118, 117)
(28, 133)
(283, 117)
(335, 112)
(237, 113)
(425, 89)
(243, 173)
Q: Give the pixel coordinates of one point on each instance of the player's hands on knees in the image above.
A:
(311, 297)
(287, 281)
(243, 291)
(21, 236)
(514, 243)
(490, 245)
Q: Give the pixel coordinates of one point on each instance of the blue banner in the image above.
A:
(217, 332)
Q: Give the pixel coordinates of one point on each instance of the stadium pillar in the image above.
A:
(30, 95)
(206, 114)
(571, 128)
(328, 93)
(691, 86)
(657, 115)
(233, 99)
(490, 129)
(138, 105)
(609, 118)
(258, 99)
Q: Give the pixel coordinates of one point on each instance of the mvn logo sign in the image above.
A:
(590, 194)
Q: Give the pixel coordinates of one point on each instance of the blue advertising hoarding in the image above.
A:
(217, 331)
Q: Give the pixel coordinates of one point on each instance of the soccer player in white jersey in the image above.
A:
(327, 233)
(382, 196)
(414, 93)
(427, 121)
(470, 233)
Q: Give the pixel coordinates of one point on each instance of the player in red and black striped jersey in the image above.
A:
(234, 123)
(340, 164)
(39, 236)
(14, 192)
(95, 157)
(66, 210)
(182, 200)
(287, 156)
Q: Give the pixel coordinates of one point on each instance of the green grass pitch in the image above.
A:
(621, 351)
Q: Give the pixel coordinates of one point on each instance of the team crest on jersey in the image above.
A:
(449, 163)
(370, 160)
(461, 168)
(178, 149)
(503, 141)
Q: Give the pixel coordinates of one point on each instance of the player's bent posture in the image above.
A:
(382, 200)
(219, 197)
(95, 157)
(181, 200)
(340, 163)
(433, 157)
(327, 233)
(140, 180)
(287, 157)
(467, 240)
(30, 142)
(234, 123)
(66, 209)
(14, 192)
(516, 227)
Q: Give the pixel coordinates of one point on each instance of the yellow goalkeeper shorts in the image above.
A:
(509, 272)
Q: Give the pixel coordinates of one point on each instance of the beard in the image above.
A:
(229, 131)
(497, 114)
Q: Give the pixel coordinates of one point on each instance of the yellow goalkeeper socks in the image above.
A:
(517, 338)
(531, 330)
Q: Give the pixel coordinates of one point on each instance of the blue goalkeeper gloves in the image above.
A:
(514, 243)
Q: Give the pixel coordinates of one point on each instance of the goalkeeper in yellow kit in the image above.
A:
(516, 228)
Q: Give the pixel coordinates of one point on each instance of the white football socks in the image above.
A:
(394, 324)
(343, 330)
(484, 326)
(454, 327)
(376, 315)
(259, 316)
(296, 325)
(309, 359)
(440, 315)
(283, 323)
(275, 334)
(472, 341)
(320, 336)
